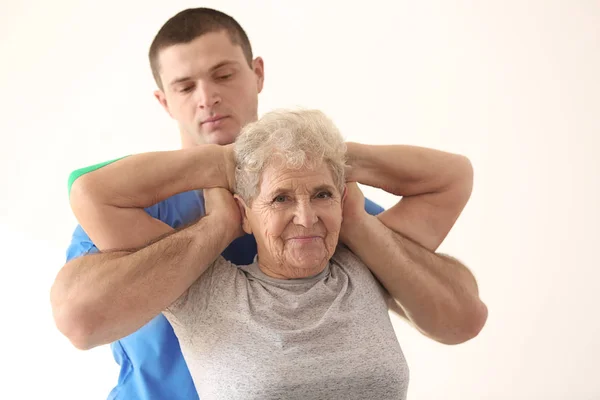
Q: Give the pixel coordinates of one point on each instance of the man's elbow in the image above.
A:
(75, 329)
(71, 321)
(469, 325)
(80, 339)
(476, 321)
(462, 186)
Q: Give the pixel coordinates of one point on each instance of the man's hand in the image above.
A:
(220, 202)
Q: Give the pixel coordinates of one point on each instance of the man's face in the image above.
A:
(209, 88)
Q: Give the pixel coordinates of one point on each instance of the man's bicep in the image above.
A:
(425, 219)
(116, 228)
(85, 170)
(111, 227)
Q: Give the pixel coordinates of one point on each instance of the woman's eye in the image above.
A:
(323, 195)
(279, 199)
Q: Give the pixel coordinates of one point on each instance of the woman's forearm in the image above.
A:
(141, 180)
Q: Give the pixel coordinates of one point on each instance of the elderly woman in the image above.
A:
(307, 319)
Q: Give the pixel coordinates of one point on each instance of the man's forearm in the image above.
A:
(141, 180)
(438, 294)
(99, 298)
(435, 187)
(404, 170)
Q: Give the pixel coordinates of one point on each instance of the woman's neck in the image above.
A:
(284, 272)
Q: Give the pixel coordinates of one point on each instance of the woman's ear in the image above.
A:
(344, 195)
(243, 212)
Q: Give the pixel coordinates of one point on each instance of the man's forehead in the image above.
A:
(200, 55)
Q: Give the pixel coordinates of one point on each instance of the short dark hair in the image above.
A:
(190, 24)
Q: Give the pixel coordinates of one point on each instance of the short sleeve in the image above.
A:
(80, 245)
(196, 299)
(345, 257)
(82, 171)
(372, 207)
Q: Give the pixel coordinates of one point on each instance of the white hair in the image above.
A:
(294, 138)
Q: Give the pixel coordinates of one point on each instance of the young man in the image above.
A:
(209, 82)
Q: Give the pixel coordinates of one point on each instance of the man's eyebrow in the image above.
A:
(212, 69)
(224, 63)
(180, 80)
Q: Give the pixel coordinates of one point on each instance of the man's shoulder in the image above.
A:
(73, 176)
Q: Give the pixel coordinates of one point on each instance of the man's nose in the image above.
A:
(207, 95)
(305, 214)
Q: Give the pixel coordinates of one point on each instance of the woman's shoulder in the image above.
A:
(345, 257)
(219, 272)
(345, 260)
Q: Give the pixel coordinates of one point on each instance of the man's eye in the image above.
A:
(186, 89)
(323, 195)
(224, 77)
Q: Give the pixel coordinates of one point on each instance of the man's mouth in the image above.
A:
(213, 120)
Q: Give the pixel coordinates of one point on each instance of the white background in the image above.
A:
(514, 85)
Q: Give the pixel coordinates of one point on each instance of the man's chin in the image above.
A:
(220, 138)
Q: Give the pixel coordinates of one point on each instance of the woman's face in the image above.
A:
(296, 220)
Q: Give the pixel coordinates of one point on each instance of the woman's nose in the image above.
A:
(305, 215)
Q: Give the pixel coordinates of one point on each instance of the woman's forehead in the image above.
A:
(308, 179)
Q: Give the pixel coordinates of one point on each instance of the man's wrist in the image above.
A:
(356, 157)
(355, 228)
(223, 229)
(209, 165)
(229, 166)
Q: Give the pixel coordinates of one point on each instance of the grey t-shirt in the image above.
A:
(245, 335)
